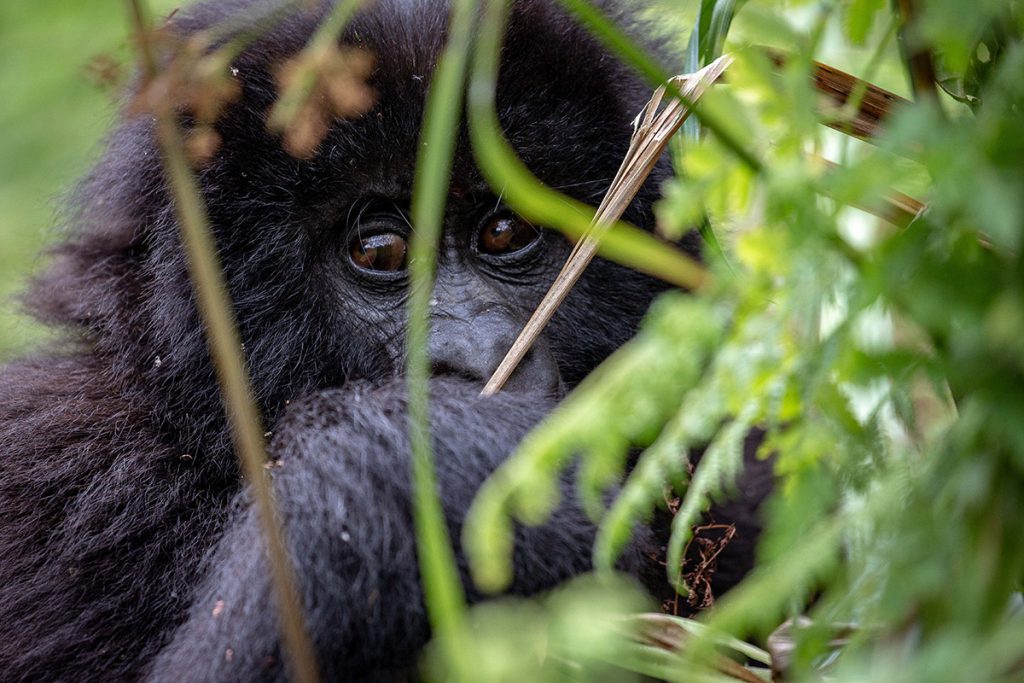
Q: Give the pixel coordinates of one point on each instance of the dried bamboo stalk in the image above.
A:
(892, 207)
(874, 106)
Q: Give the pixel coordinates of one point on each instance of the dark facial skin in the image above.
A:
(490, 267)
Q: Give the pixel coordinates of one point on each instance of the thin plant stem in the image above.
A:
(445, 599)
(226, 350)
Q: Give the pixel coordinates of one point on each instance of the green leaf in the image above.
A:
(860, 17)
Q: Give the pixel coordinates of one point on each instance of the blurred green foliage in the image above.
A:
(54, 111)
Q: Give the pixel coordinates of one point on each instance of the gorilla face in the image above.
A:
(315, 249)
(492, 265)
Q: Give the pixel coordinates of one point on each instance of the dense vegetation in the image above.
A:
(885, 360)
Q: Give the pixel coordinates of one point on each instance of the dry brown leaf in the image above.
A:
(317, 86)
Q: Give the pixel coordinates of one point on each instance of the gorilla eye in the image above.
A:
(383, 252)
(506, 234)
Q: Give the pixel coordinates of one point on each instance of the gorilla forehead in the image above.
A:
(553, 90)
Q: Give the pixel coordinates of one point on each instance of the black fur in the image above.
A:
(344, 481)
(123, 516)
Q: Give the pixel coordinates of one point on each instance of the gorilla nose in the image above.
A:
(473, 347)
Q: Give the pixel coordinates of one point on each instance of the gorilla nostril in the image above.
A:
(445, 369)
(537, 373)
(472, 346)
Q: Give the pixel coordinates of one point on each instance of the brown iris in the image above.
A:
(383, 252)
(506, 234)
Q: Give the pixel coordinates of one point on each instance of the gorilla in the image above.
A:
(129, 547)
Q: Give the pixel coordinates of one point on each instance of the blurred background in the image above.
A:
(62, 63)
